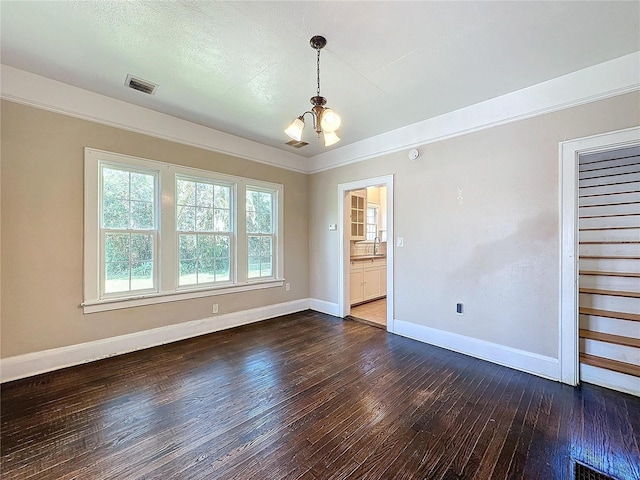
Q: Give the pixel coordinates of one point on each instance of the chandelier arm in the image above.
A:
(313, 116)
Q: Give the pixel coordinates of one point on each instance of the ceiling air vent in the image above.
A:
(140, 85)
(297, 144)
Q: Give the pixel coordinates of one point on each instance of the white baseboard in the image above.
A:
(609, 379)
(324, 307)
(20, 366)
(522, 360)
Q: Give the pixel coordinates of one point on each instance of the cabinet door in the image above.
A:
(357, 215)
(371, 283)
(357, 279)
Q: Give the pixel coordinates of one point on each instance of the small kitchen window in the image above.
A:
(372, 223)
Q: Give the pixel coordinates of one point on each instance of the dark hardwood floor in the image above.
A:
(314, 397)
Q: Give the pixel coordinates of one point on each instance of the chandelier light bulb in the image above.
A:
(330, 121)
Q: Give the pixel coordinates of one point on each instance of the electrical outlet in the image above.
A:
(459, 310)
(287, 286)
(215, 308)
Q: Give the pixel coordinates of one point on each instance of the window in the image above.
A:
(203, 223)
(128, 230)
(372, 223)
(260, 231)
(210, 234)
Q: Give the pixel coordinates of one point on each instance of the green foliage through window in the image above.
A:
(128, 224)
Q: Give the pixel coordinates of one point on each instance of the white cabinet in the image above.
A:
(368, 279)
(371, 283)
(358, 214)
(357, 284)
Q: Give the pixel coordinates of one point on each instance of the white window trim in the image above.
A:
(167, 280)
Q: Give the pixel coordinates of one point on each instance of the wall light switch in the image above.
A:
(400, 241)
(333, 226)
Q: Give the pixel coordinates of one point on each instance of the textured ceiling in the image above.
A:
(246, 68)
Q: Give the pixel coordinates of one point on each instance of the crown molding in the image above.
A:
(34, 90)
(608, 79)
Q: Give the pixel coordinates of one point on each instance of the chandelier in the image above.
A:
(325, 120)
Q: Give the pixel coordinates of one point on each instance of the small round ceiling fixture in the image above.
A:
(414, 153)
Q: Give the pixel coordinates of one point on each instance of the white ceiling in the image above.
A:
(246, 68)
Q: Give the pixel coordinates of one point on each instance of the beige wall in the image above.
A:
(496, 249)
(42, 231)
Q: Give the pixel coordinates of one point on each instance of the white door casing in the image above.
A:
(569, 153)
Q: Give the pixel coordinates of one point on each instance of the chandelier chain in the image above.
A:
(318, 65)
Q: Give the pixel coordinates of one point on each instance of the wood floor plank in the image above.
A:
(308, 396)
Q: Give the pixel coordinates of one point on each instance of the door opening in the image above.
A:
(595, 239)
(366, 253)
(367, 228)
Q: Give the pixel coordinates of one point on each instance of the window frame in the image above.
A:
(211, 180)
(273, 235)
(104, 230)
(166, 255)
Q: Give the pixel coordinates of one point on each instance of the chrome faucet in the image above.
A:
(375, 252)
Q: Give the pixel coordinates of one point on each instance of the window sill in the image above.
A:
(155, 298)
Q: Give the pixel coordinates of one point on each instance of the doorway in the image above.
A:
(366, 251)
(595, 238)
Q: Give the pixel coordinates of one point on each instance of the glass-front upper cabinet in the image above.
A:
(358, 214)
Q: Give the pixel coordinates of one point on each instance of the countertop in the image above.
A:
(367, 257)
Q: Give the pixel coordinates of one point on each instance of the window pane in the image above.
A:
(141, 247)
(141, 215)
(259, 202)
(115, 213)
(115, 184)
(206, 271)
(221, 220)
(204, 195)
(265, 266)
(263, 222)
(222, 269)
(116, 277)
(222, 246)
(222, 196)
(141, 275)
(254, 267)
(188, 275)
(206, 246)
(188, 250)
(254, 246)
(142, 187)
(259, 212)
(265, 246)
(186, 219)
(252, 226)
(204, 219)
(116, 247)
(260, 256)
(185, 192)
